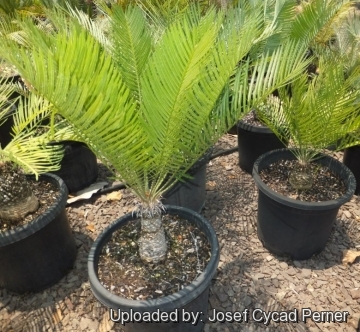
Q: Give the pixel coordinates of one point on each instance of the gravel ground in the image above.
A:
(248, 275)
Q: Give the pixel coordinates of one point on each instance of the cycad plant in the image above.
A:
(27, 152)
(150, 100)
(322, 109)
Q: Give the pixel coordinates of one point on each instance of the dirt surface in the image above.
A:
(248, 275)
(252, 120)
(45, 192)
(122, 271)
(313, 183)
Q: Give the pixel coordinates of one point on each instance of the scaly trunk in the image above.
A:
(301, 178)
(152, 243)
(16, 197)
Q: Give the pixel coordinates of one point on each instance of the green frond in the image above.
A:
(320, 111)
(132, 46)
(315, 20)
(28, 147)
(6, 104)
(93, 26)
(154, 103)
(272, 72)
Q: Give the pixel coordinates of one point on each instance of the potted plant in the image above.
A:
(312, 22)
(301, 189)
(346, 45)
(36, 243)
(150, 103)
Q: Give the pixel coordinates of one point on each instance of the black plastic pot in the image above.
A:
(291, 227)
(192, 298)
(352, 160)
(6, 128)
(37, 255)
(232, 130)
(191, 193)
(253, 141)
(78, 167)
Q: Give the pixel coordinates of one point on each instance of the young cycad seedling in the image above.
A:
(321, 109)
(27, 152)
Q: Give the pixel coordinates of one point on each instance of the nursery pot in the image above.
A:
(291, 227)
(6, 127)
(233, 130)
(191, 193)
(192, 298)
(78, 167)
(352, 160)
(38, 254)
(253, 141)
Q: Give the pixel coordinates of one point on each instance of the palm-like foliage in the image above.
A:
(149, 106)
(149, 99)
(28, 148)
(319, 111)
(27, 152)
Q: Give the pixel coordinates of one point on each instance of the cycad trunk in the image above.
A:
(16, 197)
(152, 243)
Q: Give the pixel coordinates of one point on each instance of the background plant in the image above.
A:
(27, 152)
(320, 110)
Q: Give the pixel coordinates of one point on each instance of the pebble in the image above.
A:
(283, 265)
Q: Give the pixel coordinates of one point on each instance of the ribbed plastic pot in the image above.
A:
(38, 254)
(289, 227)
(352, 160)
(78, 167)
(191, 193)
(192, 298)
(253, 141)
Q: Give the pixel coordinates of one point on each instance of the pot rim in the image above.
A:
(169, 302)
(325, 160)
(254, 129)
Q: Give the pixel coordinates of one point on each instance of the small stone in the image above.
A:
(269, 258)
(90, 216)
(280, 295)
(247, 301)
(283, 265)
(230, 292)
(222, 296)
(87, 324)
(306, 272)
(355, 294)
(291, 271)
(259, 276)
(310, 288)
(297, 264)
(347, 214)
